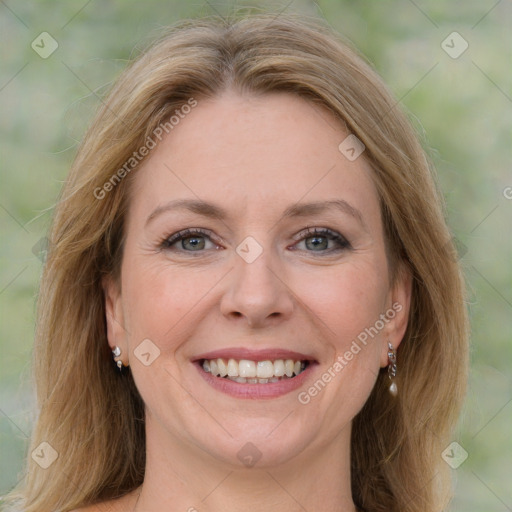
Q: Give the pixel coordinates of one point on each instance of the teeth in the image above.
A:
(232, 368)
(242, 380)
(223, 369)
(265, 369)
(279, 368)
(246, 368)
(251, 372)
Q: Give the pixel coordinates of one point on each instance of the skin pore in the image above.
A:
(254, 157)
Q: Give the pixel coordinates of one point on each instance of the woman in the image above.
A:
(251, 298)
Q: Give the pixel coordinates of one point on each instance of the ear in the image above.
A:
(116, 333)
(397, 312)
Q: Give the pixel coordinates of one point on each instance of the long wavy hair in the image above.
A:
(93, 417)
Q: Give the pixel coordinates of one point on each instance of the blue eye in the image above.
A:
(192, 240)
(320, 238)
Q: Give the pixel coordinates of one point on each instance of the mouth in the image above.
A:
(245, 371)
(255, 374)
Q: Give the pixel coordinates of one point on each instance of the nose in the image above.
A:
(257, 292)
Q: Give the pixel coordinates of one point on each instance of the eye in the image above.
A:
(319, 240)
(322, 240)
(192, 240)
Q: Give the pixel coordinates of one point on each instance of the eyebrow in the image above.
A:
(213, 211)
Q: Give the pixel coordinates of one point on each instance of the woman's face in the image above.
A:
(282, 258)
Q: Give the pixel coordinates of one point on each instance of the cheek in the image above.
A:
(347, 300)
(159, 300)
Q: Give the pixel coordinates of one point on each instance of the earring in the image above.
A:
(392, 369)
(116, 353)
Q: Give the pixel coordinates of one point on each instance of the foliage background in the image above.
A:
(461, 106)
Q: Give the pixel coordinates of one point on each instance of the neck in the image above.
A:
(180, 476)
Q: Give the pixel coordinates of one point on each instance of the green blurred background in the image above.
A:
(462, 107)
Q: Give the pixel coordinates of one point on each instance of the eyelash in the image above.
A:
(343, 243)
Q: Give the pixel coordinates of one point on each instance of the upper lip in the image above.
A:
(254, 355)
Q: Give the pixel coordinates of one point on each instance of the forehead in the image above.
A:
(254, 155)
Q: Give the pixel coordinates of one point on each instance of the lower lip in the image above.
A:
(256, 391)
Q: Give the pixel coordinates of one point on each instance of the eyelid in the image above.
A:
(170, 240)
(343, 242)
(307, 232)
(315, 230)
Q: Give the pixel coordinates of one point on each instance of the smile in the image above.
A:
(245, 371)
(255, 374)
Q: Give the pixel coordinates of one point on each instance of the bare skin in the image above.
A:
(311, 293)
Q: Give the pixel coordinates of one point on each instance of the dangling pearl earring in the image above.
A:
(392, 369)
(116, 353)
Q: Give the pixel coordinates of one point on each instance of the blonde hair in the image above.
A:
(94, 417)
